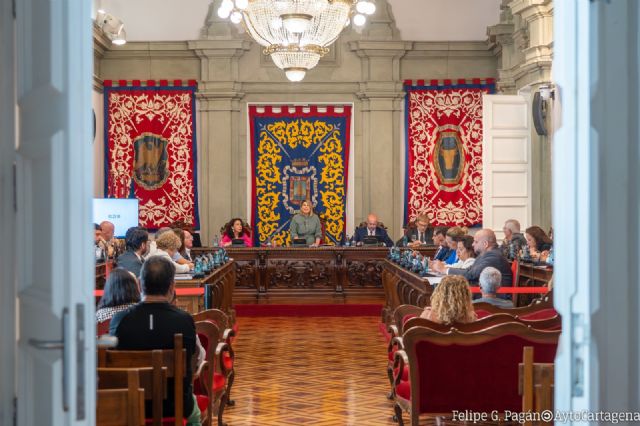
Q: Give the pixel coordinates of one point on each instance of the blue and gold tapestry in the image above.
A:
(298, 153)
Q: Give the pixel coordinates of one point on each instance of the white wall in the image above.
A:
(417, 20)
(438, 20)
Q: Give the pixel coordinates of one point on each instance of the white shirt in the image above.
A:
(463, 264)
(180, 269)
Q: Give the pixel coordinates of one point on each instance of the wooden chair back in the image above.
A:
(165, 364)
(214, 379)
(538, 305)
(120, 398)
(536, 385)
(486, 322)
(449, 370)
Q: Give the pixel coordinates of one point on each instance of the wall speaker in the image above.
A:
(539, 112)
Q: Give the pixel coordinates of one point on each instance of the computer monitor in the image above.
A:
(371, 240)
(299, 242)
(237, 242)
(122, 212)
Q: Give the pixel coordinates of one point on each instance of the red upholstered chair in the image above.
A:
(456, 370)
(103, 327)
(515, 272)
(166, 364)
(213, 381)
(224, 335)
(400, 315)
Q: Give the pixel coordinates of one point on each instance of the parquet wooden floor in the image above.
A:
(327, 371)
(310, 371)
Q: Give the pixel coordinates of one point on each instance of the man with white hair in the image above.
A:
(490, 279)
(512, 237)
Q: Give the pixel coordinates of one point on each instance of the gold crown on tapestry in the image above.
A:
(299, 163)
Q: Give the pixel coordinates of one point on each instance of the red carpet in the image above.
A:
(354, 310)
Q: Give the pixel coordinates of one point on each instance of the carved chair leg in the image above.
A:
(391, 393)
(221, 405)
(230, 402)
(397, 417)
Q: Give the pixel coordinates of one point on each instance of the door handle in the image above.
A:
(59, 345)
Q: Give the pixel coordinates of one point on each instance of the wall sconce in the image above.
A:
(112, 27)
(546, 92)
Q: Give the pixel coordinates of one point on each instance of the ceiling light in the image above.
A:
(120, 38)
(295, 33)
(236, 17)
(295, 74)
(296, 22)
(224, 13)
(242, 4)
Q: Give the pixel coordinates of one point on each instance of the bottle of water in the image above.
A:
(216, 241)
(347, 240)
(550, 257)
(405, 241)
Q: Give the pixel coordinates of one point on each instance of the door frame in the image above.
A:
(7, 215)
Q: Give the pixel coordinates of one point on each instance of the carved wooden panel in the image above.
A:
(246, 272)
(300, 274)
(364, 273)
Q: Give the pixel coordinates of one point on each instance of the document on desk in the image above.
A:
(435, 280)
(183, 277)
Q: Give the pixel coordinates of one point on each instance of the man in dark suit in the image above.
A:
(440, 240)
(420, 235)
(489, 254)
(137, 240)
(372, 229)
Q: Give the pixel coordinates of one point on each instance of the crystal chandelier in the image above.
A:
(296, 33)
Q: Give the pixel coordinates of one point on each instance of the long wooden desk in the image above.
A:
(308, 275)
(403, 287)
(217, 287)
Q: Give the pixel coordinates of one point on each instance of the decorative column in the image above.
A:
(381, 99)
(221, 158)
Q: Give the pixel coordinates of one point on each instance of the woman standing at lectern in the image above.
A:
(306, 225)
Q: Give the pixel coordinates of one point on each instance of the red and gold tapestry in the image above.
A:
(443, 128)
(150, 149)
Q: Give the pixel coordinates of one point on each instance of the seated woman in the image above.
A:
(178, 257)
(167, 245)
(306, 224)
(466, 255)
(451, 302)
(120, 292)
(235, 230)
(453, 234)
(538, 242)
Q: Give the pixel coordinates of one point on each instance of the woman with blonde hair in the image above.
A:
(306, 224)
(451, 302)
(168, 245)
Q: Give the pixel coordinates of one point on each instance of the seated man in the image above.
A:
(489, 254)
(152, 324)
(137, 241)
(440, 239)
(490, 279)
(421, 235)
(107, 230)
(512, 237)
(372, 229)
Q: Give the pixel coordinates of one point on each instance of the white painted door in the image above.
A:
(7, 215)
(55, 371)
(506, 158)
